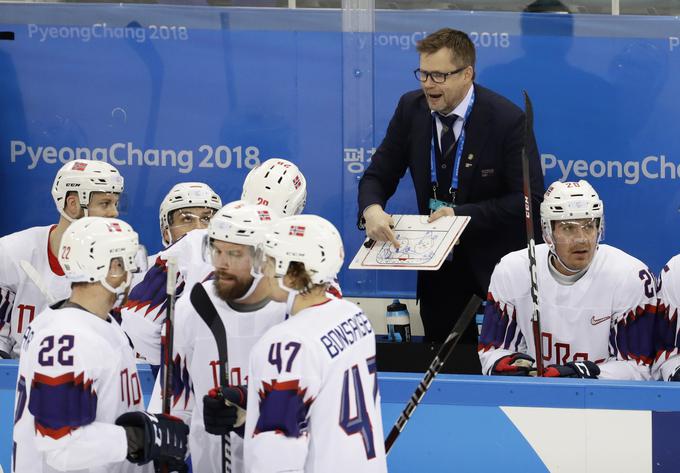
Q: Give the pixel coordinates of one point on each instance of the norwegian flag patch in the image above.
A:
(296, 182)
(114, 227)
(79, 166)
(264, 215)
(296, 230)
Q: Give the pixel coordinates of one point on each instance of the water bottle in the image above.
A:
(398, 322)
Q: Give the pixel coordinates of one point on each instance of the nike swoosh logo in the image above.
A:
(594, 321)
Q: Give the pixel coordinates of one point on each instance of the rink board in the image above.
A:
(474, 424)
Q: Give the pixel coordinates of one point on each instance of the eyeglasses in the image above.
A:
(437, 77)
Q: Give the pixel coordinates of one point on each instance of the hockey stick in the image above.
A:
(168, 364)
(206, 310)
(34, 276)
(531, 244)
(437, 363)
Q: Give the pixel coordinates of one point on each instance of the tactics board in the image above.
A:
(423, 245)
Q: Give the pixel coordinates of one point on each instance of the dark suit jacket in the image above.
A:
(490, 184)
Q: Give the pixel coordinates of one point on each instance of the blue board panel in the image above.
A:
(193, 93)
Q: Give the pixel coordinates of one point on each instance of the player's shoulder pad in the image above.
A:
(620, 264)
(672, 267)
(87, 338)
(19, 245)
(284, 332)
(518, 262)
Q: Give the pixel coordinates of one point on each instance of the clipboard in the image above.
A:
(424, 246)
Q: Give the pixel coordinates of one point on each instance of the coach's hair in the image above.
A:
(462, 49)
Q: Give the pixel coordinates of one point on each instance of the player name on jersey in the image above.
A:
(346, 334)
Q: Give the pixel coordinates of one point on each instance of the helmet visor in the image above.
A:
(187, 220)
(568, 231)
(141, 260)
(232, 257)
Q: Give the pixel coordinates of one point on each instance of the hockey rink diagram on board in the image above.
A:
(422, 245)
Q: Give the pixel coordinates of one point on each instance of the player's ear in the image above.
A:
(72, 205)
(166, 235)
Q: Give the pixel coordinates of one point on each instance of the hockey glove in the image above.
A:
(224, 410)
(517, 364)
(154, 437)
(573, 369)
(676, 375)
(173, 466)
(4, 355)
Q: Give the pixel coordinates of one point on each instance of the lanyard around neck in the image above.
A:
(459, 147)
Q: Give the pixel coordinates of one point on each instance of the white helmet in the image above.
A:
(307, 239)
(570, 201)
(183, 195)
(84, 177)
(241, 223)
(276, 183)
(89, 245)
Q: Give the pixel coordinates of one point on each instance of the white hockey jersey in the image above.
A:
(144, 313)
(607, 316)
(197, 369)
(667, 336)
(313, 399)
(139, 276)
(77, 374)
(20, 298)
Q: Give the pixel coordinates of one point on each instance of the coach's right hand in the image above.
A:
(379, 225)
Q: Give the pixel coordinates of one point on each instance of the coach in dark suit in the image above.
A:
(479, 174)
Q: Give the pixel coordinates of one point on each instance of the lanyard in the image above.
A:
(459, 149)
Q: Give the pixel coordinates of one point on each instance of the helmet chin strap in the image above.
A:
(573, 272)
(86, 213)
(66, 216)
(553, 254)
(251, 289)
(292, 294)
(119, 291)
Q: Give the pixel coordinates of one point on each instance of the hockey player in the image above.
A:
(188, 206)
(276, 183)
(666, 365)
(596, 302)
(312, 383)
(80, 188)
(78, 403)
(246, 311)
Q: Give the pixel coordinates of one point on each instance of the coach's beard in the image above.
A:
(229, 287)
